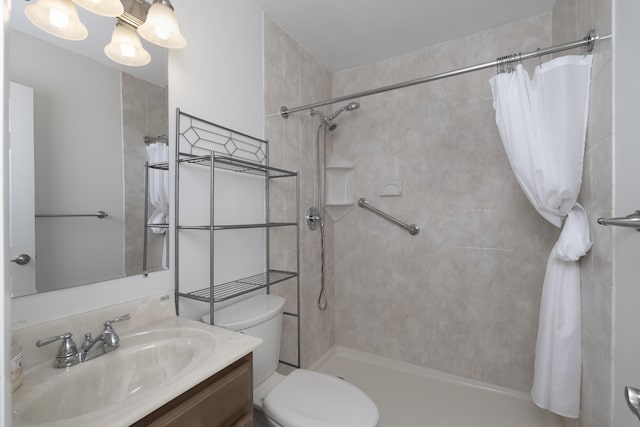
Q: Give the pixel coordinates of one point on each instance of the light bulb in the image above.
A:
(58, 18)
(161, 26)
(128, 50)
(125, 47)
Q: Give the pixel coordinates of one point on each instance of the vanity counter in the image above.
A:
(154, 365)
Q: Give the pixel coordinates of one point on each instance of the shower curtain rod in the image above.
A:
(588, 42)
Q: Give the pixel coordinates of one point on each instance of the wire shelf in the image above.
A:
(237, 226)
(161, 166)
(239, 287)
(236, 165)
(267, 225)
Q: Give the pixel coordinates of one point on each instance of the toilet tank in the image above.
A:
(259, 316)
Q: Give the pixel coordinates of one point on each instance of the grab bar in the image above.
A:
(99, 215)
(631, 220)
(412, 229)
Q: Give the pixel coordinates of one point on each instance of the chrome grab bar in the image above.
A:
(99, 215)
(411, 229)
(631, 220)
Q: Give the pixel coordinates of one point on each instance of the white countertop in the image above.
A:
(34, 405)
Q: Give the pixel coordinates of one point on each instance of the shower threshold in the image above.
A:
(413, 396)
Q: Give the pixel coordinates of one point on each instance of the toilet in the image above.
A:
(303, 398)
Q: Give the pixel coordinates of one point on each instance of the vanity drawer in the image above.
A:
(224, 400)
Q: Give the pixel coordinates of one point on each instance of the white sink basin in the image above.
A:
(144, 363)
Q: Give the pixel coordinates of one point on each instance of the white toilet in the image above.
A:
(303, 398)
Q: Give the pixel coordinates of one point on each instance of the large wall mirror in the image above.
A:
(78, 125)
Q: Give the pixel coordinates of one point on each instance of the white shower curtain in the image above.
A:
(159, 192)
(542, 123)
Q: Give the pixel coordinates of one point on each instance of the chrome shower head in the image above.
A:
(349, 107)
(353, 106)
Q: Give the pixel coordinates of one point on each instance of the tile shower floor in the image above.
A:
(408, 395)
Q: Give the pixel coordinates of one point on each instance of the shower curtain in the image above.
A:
(542, 124)
(159, 193)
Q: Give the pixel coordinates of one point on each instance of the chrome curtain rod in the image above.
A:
(588, 42)
(410, 228)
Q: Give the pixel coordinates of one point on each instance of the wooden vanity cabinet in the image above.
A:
(223, 400)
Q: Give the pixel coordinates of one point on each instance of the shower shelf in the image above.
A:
(239, 287)
(158, 225)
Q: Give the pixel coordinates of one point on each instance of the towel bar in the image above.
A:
(99, 215)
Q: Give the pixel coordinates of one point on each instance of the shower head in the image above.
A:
(353, 106)
(328, 120)
(349, 107)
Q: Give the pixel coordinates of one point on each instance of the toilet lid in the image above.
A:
(310, 399)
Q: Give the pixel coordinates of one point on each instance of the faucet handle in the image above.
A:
(67, 348)
(117, 319)
(45, 341)
(110, 339)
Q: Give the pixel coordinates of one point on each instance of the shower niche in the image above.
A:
(340, 187)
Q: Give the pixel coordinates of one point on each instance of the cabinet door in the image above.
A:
(224, 400)
(246, 421)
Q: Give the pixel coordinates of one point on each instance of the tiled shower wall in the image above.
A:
(571, 21)
(145, 113)
(462, 296)
(292, 78)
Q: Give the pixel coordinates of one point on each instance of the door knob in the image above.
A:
(22, 259)
(632, 396)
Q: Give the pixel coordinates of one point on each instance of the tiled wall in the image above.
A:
(144, 107)
(571, 21)
(462, 296)
(292, 78)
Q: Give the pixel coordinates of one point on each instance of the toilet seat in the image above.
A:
(310, 399)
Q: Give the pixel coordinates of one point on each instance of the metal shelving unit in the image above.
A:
(206, 144)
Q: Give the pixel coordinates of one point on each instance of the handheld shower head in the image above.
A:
(353, 106)
(349, 107)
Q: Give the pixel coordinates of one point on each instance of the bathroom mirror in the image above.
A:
(78, 127)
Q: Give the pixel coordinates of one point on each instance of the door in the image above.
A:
(626, 190)
(22, 239)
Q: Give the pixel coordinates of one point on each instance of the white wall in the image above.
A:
(626, 242)
(218, 76)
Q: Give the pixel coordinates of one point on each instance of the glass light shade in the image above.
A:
(111, 8)
(161, 27)
(58, 18)
(125, 47)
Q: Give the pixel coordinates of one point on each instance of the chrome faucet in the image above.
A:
(68, 354)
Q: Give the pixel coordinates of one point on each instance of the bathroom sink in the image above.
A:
(144, 363)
